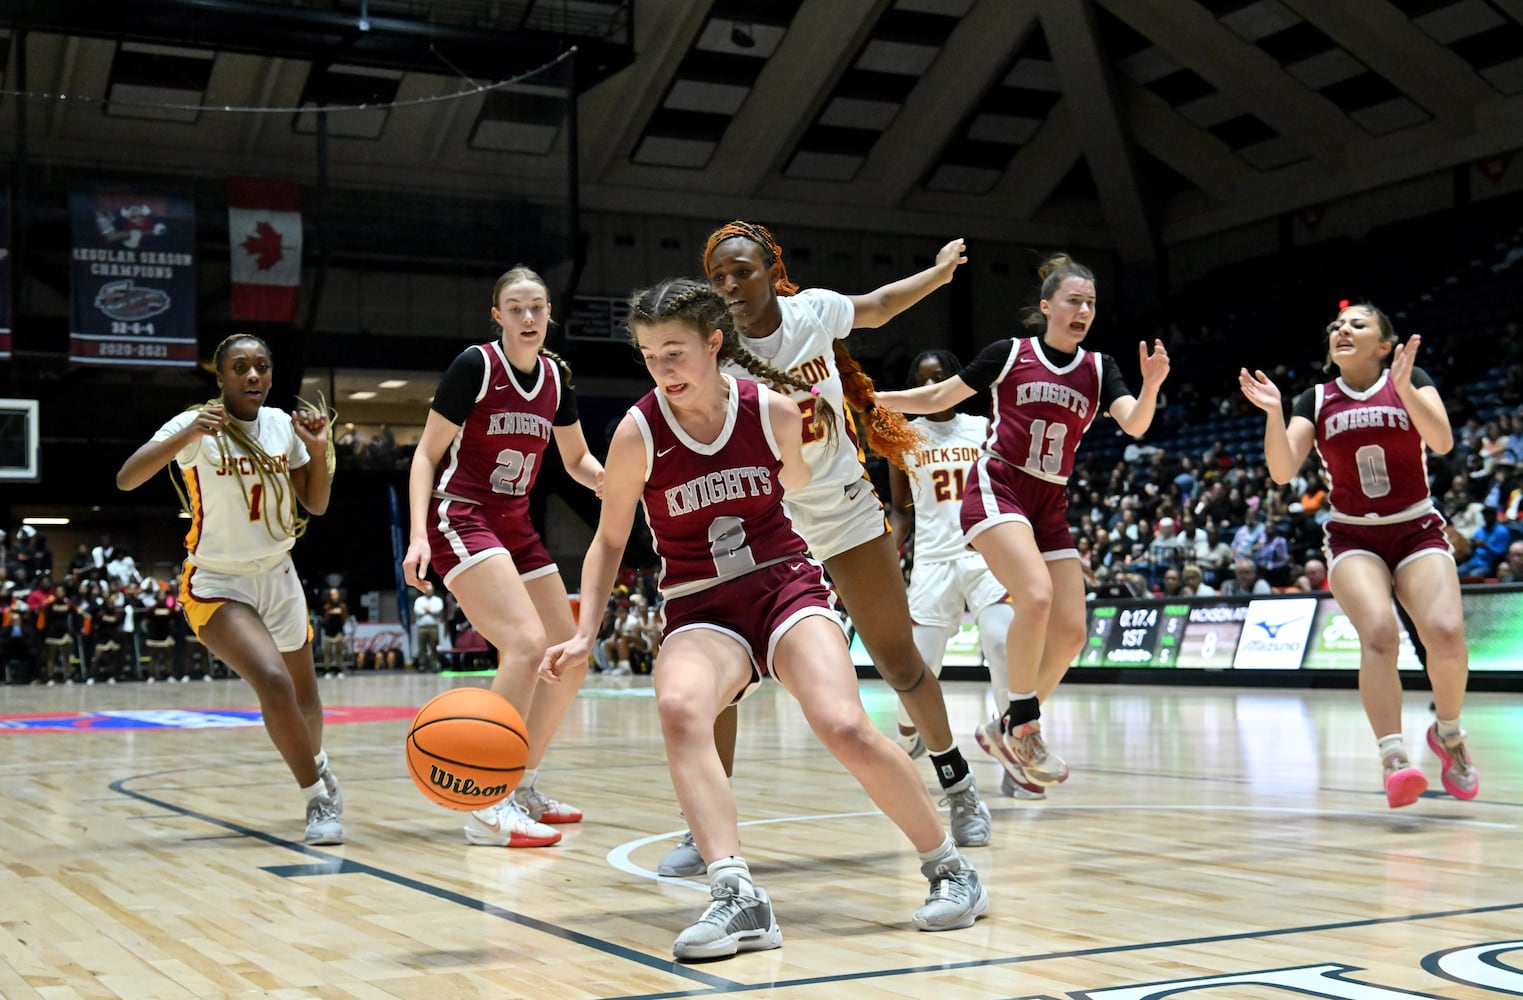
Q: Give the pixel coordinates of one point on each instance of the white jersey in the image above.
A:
(228, 521)
(804, 346)
(938, 472)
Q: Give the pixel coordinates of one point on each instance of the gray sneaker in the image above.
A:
(970, 817)
(683, 860)
(957, 896)
(330, 787)
(323, 826)
(737, 920)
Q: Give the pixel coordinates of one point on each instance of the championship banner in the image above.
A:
(5, 273)
(133, 278)
(264, 240)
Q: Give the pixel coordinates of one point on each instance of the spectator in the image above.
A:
(1194, 582)
(1166, 551)
(1487, 546)
(1218, 557)
(1313, 578)
(1249, 537)
(1173, 583)
(1245, 580)
(335, 613)
(1511, 570)
(1273, 559)
(428, 615)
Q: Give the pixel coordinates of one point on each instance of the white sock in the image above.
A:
(623, 664)
(321, 760)
(945, 852)
(313, 790)
(735, 865)
(531, 775)
(1392, 744)
(1449, 728)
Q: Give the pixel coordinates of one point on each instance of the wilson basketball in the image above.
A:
(466, 748)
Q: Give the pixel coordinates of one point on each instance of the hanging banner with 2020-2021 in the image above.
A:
(133, 278)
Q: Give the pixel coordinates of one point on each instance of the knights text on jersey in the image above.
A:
(1042, 411)
(235, 520)
(1372, 451)
(938, 475)
(495, 456)
(715, 510)
(804, 346)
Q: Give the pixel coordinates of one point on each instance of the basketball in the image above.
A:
(466, 748)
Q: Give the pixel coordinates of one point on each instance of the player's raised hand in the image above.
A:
(1155, 364)
(1403, 359)
(951, 256)
(211, 419)
(1261, 392)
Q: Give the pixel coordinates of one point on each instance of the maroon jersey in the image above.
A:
(495, 456)
(1041, 411)
(1376, 466)
(715, 510)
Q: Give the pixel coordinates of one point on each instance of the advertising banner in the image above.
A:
(132, 276)
(1274, 634)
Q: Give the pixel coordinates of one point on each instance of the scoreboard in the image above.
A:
(1122, 635)
(1277, 632)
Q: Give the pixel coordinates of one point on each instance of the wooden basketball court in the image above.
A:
(1211, 842)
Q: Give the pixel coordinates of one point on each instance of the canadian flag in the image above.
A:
(264, 239)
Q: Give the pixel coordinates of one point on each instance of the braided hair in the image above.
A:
(888, 433)
(512, 276)
(698, 306)
(1053, 272)
(946, 359)
(286, 520)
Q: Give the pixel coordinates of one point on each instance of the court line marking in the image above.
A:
(619, 856)
(1074, 953)
(327, 863)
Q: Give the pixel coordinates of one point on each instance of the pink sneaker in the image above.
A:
(1404, 783)
(1459, 775)
(1023, 753)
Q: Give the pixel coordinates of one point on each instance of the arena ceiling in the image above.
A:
(1131, 124)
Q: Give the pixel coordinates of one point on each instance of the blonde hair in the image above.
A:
(522, 272)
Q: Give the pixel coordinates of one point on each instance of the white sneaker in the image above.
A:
(332, 789)
(543, 809)
(911, 743)
(323, 826)
(507, 825)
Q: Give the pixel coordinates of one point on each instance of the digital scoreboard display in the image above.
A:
(1137, 635)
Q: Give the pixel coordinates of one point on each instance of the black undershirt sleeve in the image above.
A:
(980, 373)
(456, 395)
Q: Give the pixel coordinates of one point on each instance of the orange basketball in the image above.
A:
(466, 748)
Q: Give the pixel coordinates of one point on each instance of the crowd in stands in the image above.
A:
(98, 619)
